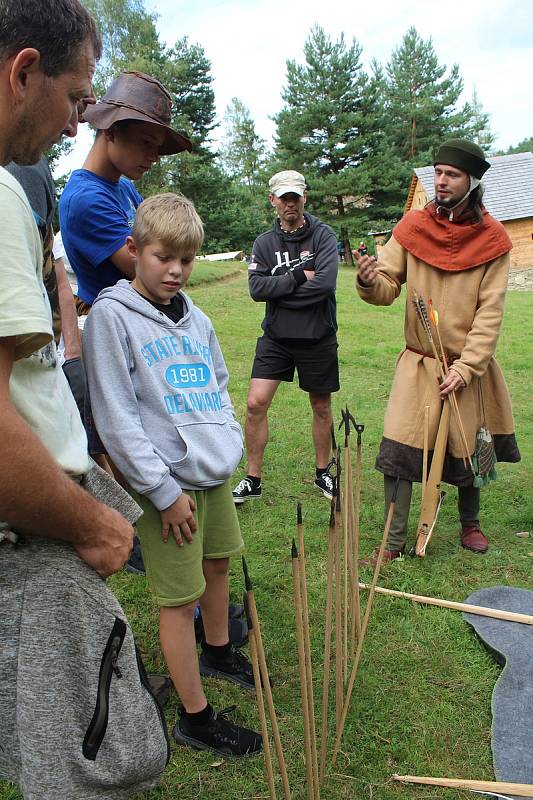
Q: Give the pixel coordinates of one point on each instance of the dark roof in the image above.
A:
(508, 185)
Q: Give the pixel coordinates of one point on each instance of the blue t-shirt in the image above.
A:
(95, 217)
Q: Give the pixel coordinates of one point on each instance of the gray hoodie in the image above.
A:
(159, 395)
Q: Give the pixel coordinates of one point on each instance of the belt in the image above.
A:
(450, 357)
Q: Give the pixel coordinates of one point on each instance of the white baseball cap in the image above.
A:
(287, 181)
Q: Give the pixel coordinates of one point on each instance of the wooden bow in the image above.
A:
(433, 497)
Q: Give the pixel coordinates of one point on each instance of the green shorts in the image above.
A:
(175, 574)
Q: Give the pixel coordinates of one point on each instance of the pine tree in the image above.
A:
(130, 39)
(524, 146)
(326, 126)
(187, 76)
(479, 126)
(243, 151)
(421, 100)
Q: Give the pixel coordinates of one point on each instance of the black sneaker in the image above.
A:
(219, 735)
(235, 668)
(245, 490)
(326, 484)
(135, 562)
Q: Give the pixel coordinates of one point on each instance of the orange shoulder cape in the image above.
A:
(451, 246)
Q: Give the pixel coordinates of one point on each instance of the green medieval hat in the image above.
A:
(464, 155)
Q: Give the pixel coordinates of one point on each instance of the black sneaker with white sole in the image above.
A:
(326, 484)
(245, 490)
(219, 735)
(235, 667)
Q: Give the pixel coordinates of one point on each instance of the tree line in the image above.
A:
(356, 134)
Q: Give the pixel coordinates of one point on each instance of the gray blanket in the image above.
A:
(512, 700)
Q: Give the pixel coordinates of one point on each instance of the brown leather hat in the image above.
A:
(134, 95)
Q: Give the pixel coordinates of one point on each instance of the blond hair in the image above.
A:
(171, 219)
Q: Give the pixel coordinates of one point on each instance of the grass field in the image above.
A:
(208, 271)
(421, 703)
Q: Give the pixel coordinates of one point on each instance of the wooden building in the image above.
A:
(508, 195)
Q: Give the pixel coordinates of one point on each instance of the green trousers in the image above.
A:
(467, 501)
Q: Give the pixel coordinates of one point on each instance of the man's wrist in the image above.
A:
(299, 276)
(72, 353)
(362, 284)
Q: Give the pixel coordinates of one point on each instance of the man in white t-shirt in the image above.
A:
(41, 436)
(48, 50)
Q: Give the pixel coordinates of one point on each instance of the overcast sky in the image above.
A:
(249, 41)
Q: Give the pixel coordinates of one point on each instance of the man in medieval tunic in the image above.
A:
(454, 253)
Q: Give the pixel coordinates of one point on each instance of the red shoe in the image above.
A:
(388, 556)
(473, 538)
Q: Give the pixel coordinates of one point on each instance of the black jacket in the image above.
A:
(296, 308)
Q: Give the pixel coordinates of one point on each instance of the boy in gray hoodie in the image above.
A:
(158, 387)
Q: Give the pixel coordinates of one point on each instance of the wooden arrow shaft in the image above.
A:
(356, 605)
(262, 716)
(307, 656)
(455, 408)
(303, 678)
(498, 787)
(327, 652)
(368, 609)
(338, 623)
(268, 694)
(466, 608)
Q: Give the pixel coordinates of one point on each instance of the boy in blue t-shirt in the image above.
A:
(158, 386)
(98, 204)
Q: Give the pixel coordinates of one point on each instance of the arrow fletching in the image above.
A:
(422, 314)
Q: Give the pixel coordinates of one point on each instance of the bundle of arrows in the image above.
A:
(432, 496)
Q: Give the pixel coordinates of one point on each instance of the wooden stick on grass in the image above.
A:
(307, 648)
(497, 787)
(327, 641)
(356, 603)
(303, 674)
(346, 519)
(252, 611)
(340, 727)
(466, 608)
(261, 709)
(339, 685)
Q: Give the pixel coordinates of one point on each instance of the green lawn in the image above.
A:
(209, 271)
(421, 703)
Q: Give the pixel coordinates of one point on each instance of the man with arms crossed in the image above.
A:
(294, 270)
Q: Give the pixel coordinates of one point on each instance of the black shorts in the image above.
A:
(316, 362)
